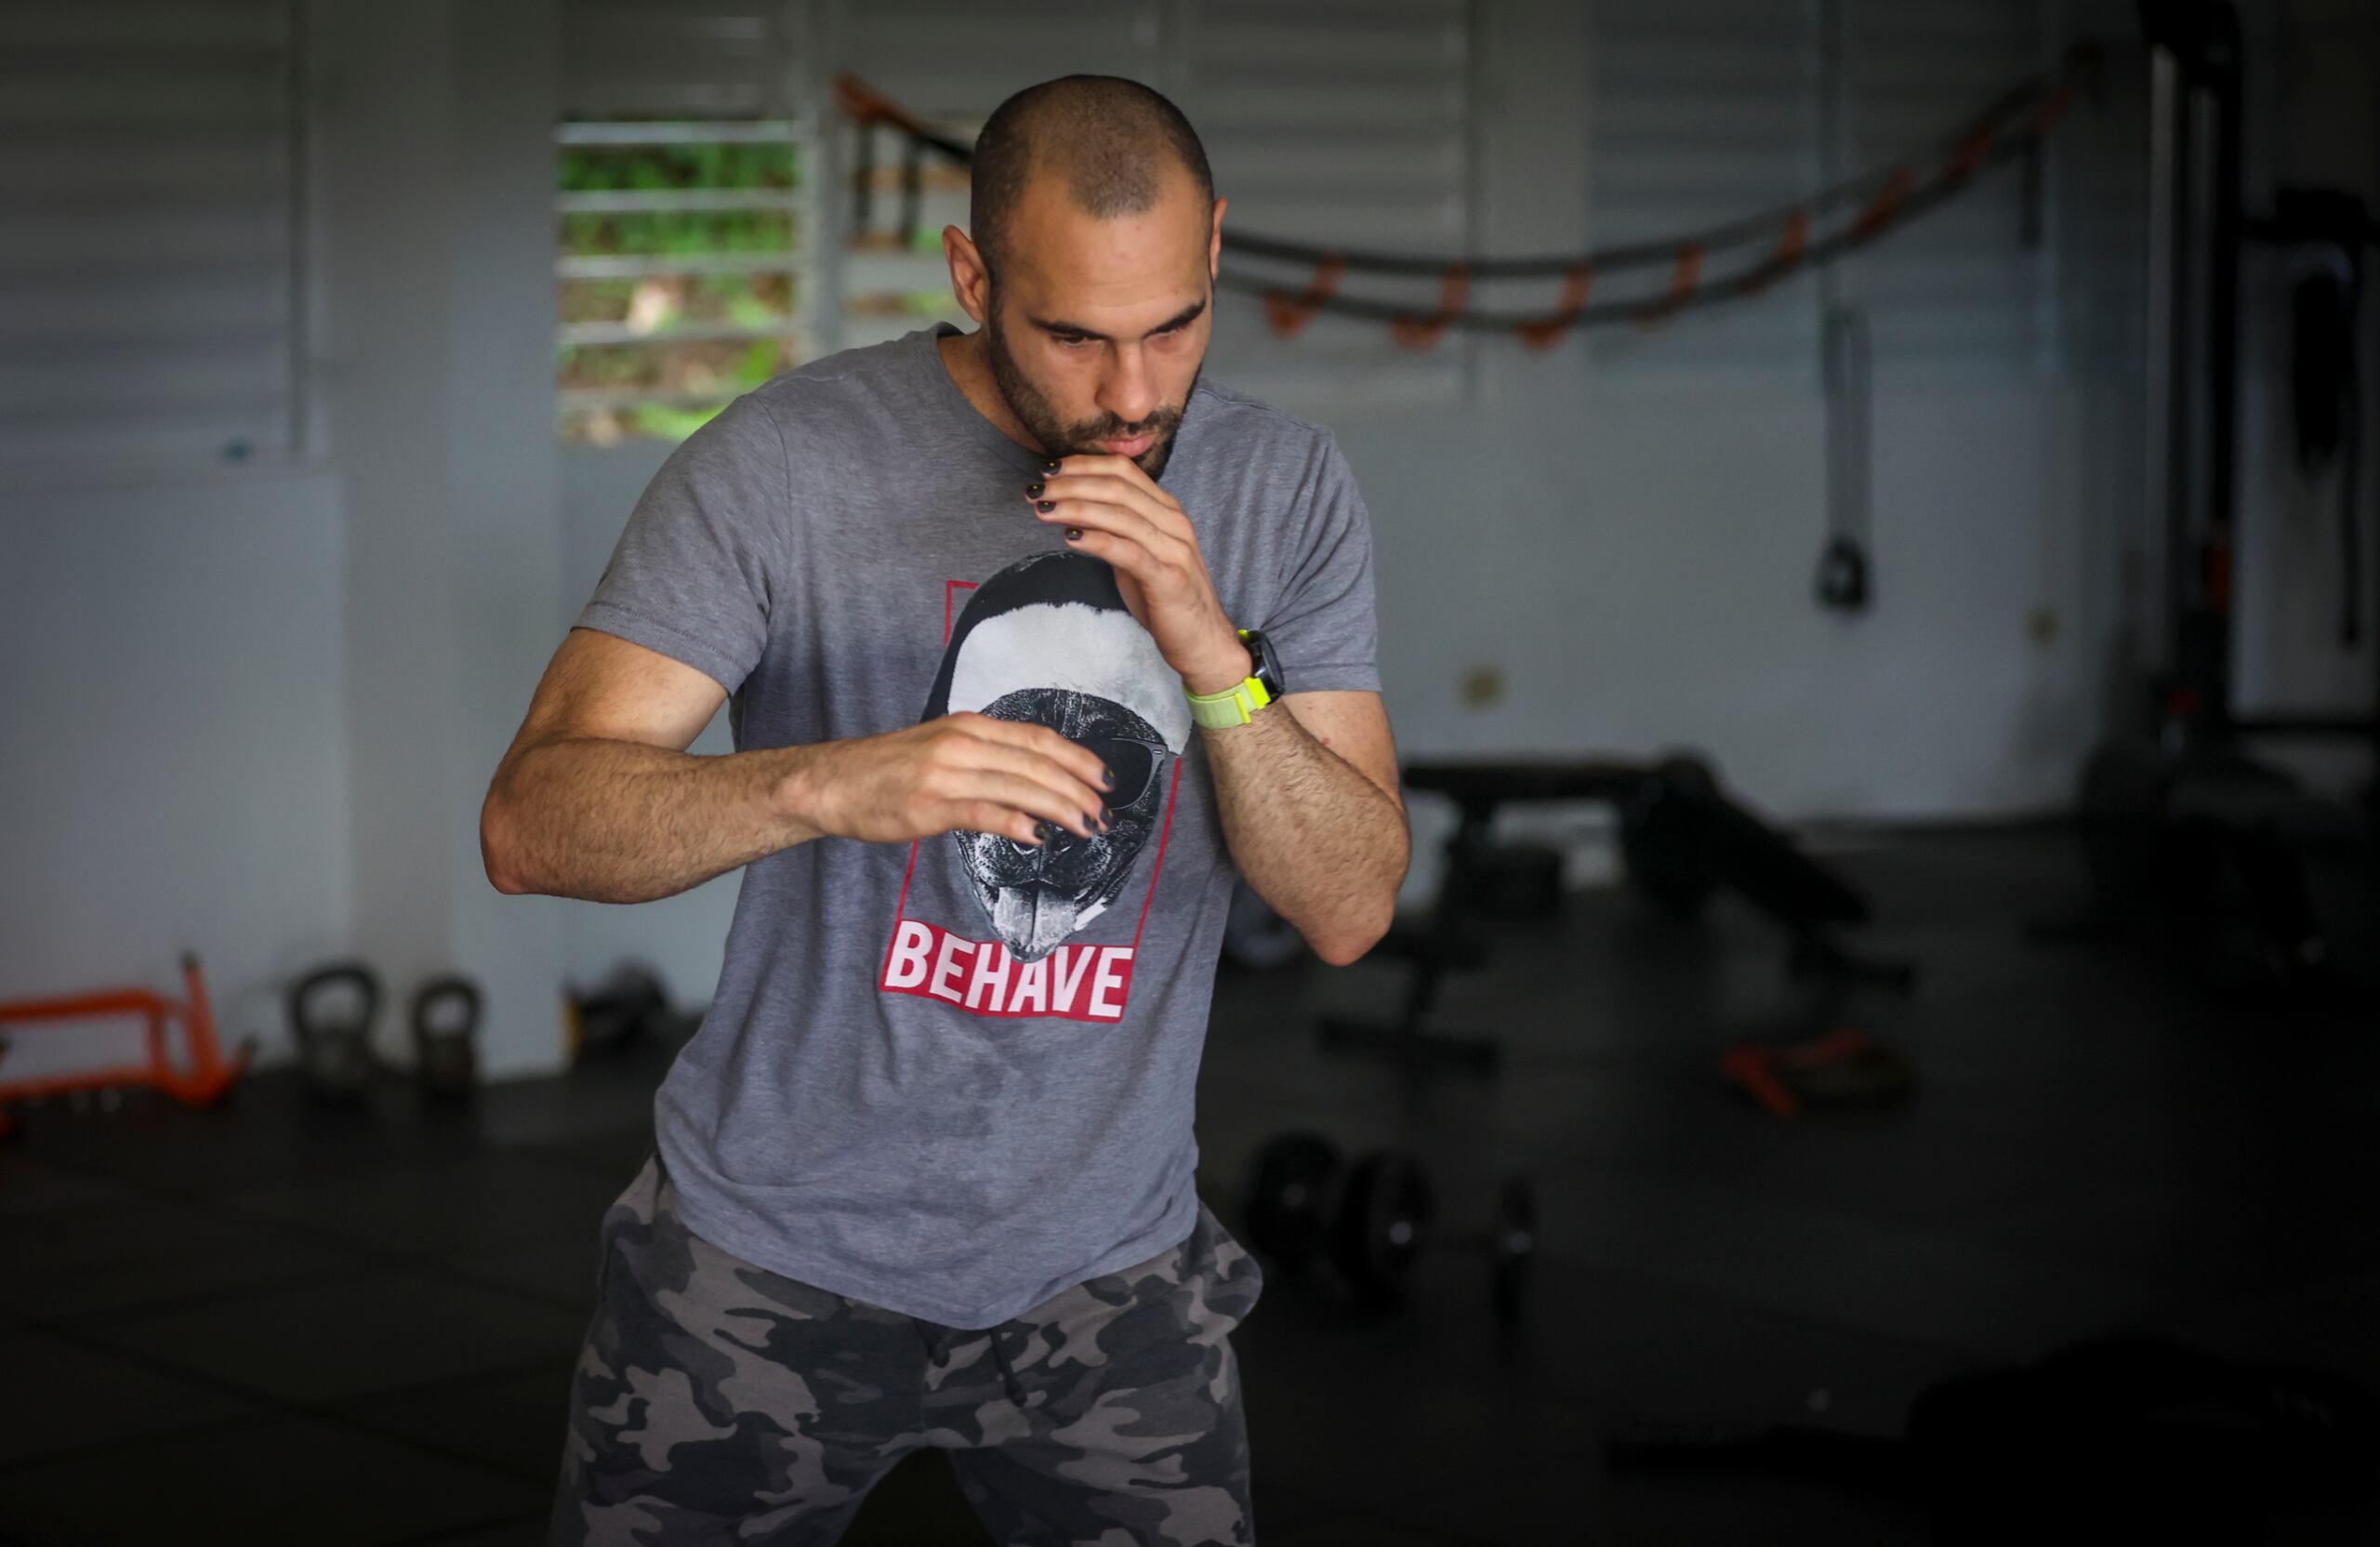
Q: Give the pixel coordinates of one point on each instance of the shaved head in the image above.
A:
(1091, 266)
(1106, 143)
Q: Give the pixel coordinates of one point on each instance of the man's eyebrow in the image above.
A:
(1189, 314)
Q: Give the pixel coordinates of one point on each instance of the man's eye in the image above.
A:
(1071, 343)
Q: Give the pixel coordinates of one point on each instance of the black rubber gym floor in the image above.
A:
(272, 1323)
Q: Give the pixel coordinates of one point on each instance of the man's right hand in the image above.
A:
(598, 797)
(963, 772)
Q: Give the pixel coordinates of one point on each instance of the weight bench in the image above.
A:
(1444, 940)
(1681, 838)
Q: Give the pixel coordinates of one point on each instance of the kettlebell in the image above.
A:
(1843, 576)
(335, 1039)
(445, 1018)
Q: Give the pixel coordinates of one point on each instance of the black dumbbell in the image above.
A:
(1512, 1245)
(1373, 1223)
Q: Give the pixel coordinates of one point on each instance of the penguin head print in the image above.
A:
(1048, 642)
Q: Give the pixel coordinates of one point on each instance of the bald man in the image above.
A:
(1031, 642)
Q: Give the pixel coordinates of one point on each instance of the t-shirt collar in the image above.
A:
(945, 391)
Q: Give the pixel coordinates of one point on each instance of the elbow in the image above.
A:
(498, 854)
(1345, 950)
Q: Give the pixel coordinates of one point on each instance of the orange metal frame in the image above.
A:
(209, 1073)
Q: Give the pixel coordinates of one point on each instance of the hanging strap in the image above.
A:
(1421, 333)
(1684, 279)
(1287, 313)
(1545, 332)
(1791, 248)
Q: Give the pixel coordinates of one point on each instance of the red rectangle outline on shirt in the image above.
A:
(950, 589)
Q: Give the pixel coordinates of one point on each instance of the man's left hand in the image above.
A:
(1126, 520)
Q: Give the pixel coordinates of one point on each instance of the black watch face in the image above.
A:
(1267, 669)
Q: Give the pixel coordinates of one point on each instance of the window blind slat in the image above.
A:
(1346, 127)
(163, 308)
(185, 29)
(147, 241)
(1960, 282)
(1700, 111)
(649, 59)
(83, 385)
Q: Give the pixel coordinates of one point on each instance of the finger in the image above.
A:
(1077, 759)
(990, 816)
(1109, 464)
(1074, 801)
(1122, 521)
(1023, 792)
(1153, 504)
(1153, 507)
(1124, 553)
(1074, 793)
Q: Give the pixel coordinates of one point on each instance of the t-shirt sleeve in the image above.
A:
(700, 563)
(1323, 630)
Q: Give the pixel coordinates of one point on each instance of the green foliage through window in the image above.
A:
(649, 348)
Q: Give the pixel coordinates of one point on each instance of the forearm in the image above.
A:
(622, 822)
(1321, 843)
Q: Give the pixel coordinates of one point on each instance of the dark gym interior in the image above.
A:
(1880, 1040)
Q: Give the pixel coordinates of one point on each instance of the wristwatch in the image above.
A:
(1238, 706)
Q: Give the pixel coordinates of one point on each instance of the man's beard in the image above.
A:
(1033, 410)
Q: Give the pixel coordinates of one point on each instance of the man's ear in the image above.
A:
(969, 282)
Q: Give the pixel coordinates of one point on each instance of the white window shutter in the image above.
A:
(149, 255)
(1702, 113)
(958, 59)
(1348, 124)
(1956, 283)
(665, 59)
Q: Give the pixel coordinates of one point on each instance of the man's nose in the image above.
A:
(1128, 394)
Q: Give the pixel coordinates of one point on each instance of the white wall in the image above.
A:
(1648, 584)
(254, 715)
(441, 378)
(174, 777)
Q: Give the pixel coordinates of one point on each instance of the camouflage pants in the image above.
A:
(717, 1402)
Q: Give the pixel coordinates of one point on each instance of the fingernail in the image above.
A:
(1033, 489)
(1050, 466)
(1107, 778)
(1045, 505)
(1074, 534)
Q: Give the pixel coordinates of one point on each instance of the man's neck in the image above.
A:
(963, 356)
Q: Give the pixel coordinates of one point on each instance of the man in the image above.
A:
(1002, 707)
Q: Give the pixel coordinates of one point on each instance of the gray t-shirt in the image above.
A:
(956, 1078)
